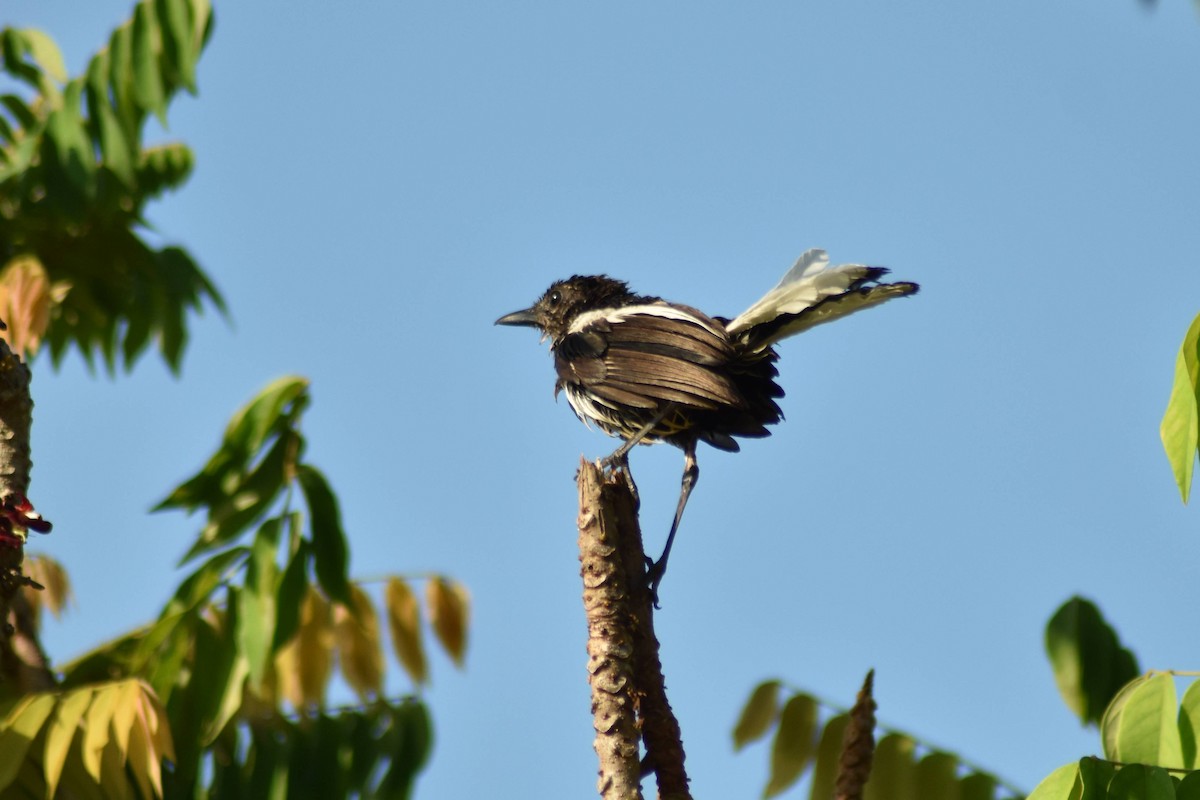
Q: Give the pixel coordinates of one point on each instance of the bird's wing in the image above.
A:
(642, 356)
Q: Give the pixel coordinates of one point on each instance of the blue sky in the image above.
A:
(377, 182)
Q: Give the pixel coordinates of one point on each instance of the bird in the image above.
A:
(648, 371)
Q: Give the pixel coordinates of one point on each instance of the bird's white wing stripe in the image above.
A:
(616, 315)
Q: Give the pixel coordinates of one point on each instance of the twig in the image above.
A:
(858, 745)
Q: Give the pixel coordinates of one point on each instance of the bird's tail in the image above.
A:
(811, 293)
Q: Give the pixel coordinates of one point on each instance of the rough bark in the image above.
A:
(23, 663)
(629, 700)
(858, 745)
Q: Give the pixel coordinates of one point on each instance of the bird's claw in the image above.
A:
(654, 575)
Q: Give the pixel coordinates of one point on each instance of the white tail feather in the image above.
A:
(808, 282)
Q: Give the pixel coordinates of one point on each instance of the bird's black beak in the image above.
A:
(527, 318)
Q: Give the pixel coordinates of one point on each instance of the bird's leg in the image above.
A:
(620, 456)
(691, 473)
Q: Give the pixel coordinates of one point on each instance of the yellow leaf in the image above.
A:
(150, 741)
(156, 724)
(304, 665)
(140, 760)
(449, 612)
(56, 586)
(261, 702)
(359, 647)
(63, 728)
(123, 716)
(404, 623)
(19, 728)
(287, 673)
(46, 53)
(95, 734)
(26, 299)
(114, 776)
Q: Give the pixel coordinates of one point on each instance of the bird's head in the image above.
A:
(563, 303)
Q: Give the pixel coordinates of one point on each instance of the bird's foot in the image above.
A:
(619, 462)
(654, 575)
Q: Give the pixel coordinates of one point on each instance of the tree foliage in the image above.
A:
(225, 692)
(1149, 733)
(76, 174)
(807, 737)
(238, 663)
(1180, 430)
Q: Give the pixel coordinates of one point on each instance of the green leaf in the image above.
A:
(1148, 727)
(977, 786)
(273, 409)
(829, 751)
(197, 588)
(1140, 782)
(892, 769)
(1062, 784)
(67, 156)
(1110, 724)
(794, 743)
(256, 615)
(147, 77)
(172, 317)
(290, 597)
(1089, 663)
(19, 110)
(16, 44)
(758, 715)
(268, 754)
(409, 740)
(45, 53)
(356, 731)
(231, 700)
(330, 554)
(251, 498)
(1189, 787)
(1180, 429)
(1189, 725)
(227, 781)
(178, 41)
(202, 21)
(314, 768)
(221, 671)
(114, 149)
(121, 79)
(936, 776)
(1095, 774)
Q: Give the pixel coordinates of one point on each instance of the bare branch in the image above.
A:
(629, 699)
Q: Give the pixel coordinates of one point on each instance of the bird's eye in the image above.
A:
(555, 297)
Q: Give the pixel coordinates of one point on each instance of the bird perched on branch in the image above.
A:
(650, 371)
